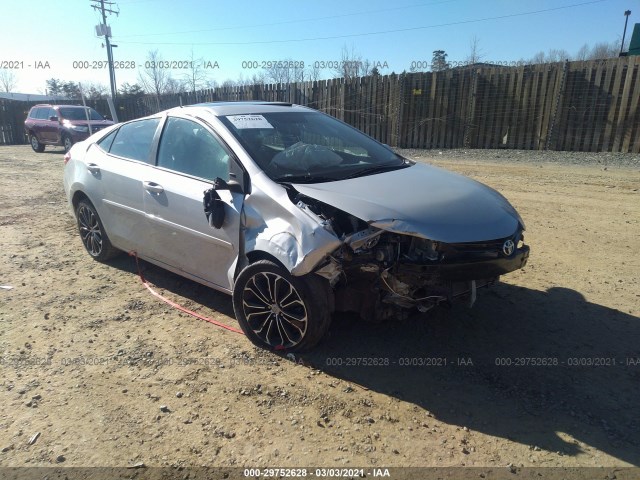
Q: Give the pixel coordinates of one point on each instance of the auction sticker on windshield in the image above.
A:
(249, 121)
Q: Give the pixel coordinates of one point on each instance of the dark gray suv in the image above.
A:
(62, 125)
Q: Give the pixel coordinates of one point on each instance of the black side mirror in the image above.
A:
(53, 118)
(232, 185)
(213, 208)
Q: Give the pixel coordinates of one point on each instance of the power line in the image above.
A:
(461, 22)
(286, 22)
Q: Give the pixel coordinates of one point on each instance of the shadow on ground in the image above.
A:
(524, 365)
(545, 369)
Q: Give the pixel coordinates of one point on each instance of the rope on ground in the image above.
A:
(177, 306)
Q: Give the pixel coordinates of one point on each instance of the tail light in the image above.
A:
(67, 157)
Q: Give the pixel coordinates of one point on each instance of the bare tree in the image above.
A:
(538, 58)
(558, 55)
(8, 80)
(257, 79)
(553, 55)
(284, 71)
(174, 86)
(604, 50)
(196, 76)
(476, 54)
(153, 77)
(352, 65)
(583, 53)
(313, 72)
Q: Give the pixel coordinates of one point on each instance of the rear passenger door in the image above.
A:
(117, 166)
(47, 129)
(190, 157)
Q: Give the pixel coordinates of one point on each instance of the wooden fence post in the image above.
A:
(558, 101)
(471, 108)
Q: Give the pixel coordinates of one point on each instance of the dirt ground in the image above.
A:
(543, 371)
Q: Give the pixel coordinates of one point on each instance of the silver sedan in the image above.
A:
(297, 215)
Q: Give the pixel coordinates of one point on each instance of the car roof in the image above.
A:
(242, 108)
(56, 106)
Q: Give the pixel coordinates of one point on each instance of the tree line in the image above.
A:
(159, 81)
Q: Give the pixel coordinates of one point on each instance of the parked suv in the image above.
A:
(61, 125)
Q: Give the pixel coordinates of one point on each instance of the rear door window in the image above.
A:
(134, 140)
(105, 143)
(42, 114)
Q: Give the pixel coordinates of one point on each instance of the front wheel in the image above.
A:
(67, 143)
(94, 238)
(279, 311)
(35, 144)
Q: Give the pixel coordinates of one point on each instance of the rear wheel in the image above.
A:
(35, 144)
(94, 238)
(278, 310)
(67, 143)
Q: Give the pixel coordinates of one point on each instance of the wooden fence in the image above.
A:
(581, 106)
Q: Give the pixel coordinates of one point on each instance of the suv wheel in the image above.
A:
(94, 238)
(67, 142)
(279, 311)
(35, 144)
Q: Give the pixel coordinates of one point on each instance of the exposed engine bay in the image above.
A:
(381, 274)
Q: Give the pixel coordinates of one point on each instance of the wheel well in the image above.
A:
(256, 255)
(79, 195)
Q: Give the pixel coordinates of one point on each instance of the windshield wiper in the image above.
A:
(304, 178)
(376, 169)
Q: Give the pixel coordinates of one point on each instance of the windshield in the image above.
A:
(78, 114)
(309, 147)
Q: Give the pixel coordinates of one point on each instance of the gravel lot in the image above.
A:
(543, 371)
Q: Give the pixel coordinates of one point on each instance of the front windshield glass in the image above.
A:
(308, 147)
(78, 114)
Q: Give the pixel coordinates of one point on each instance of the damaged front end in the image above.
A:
(380, 273)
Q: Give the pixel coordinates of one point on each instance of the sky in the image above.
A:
(43, 39)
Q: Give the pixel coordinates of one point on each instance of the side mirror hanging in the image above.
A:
(213, 208)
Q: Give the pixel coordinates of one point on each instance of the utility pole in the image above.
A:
(105, 30)
(626, 14)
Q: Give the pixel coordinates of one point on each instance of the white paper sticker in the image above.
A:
(249, 121)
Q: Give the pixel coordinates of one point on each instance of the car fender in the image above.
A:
(298, 239)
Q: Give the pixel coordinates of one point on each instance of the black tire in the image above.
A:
(67, 142)
(35, 144)
(289, 313)
(92, 232)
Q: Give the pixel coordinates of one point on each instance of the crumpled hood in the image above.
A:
(424, 201)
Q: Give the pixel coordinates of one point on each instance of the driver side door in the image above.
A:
(190, 156)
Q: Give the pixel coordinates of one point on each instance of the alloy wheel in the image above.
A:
(274, 310)
(90, 231)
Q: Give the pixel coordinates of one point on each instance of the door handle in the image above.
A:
(153, 187)
(93, 168)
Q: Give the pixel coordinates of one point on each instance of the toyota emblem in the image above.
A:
(508, 247)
